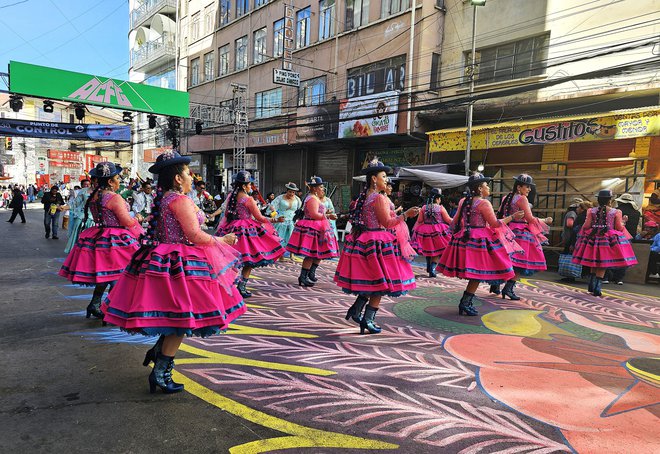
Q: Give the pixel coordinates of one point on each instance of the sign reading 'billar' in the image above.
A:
(57, 84)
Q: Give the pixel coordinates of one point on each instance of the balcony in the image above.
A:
(153, 54)
(148, 8)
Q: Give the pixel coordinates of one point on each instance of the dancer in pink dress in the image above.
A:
(181, 281)
(431, 232)
(102, 252)
(529, 232)
(603, 242)
(257, 242)
(371, 264)
(400, 230)
(313, 236)
(481, 245)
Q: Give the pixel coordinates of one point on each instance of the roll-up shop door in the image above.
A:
(286, 167)
(600, 150)
(332, 166)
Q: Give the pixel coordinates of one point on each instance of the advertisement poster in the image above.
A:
(317, 122)
(66, 131)
(382, 106)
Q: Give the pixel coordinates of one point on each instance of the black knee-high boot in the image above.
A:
(242, 288)
(508, 291)
(153, 352)
(311, 276)
(368, 323)
(94, 306)
(465, 306)
(303, 279)
(355, 311)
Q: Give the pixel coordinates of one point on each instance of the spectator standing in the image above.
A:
(53, 202)
(631, 216)
(143, 199)
(568, 222)
(17, 205)
(655, 257)
(652, 211)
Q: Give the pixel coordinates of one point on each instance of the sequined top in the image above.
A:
(108, 217)
(321, 211)
(436, 218)
(369, 211)
(242, 210)
(476, 218)
(515, 206)
(609, 220)
(169, 229)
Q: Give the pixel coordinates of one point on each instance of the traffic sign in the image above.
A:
(286, 77)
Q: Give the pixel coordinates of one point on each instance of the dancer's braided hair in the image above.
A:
(466, 208)
(429, 212)
(358, 224)
(103, 183)
(599, 225)
(505, 207)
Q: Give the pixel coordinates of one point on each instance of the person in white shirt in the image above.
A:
(143, 199)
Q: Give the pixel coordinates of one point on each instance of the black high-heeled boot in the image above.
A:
(428, 265)
(494, 288)
(94, 306)
(598, 286)
(432, 272)
(153, 352)
(465, 306)
(311, 276)
(592, 282)
(161, 376)
(508, 291)
(303, 279)
(355, 311)
(242, 284)
(367, 322)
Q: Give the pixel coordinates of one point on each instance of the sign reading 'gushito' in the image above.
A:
(623, 125)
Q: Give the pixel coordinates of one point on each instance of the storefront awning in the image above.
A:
(621, 124)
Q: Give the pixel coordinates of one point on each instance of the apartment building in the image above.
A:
(152, 49)
(355, 58)
(567, 91)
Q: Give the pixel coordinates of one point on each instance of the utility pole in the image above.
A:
(240, 126)
(25, 166)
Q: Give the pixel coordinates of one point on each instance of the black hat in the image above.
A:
(243, 177)
(169, 158)
(605, 193)
(477, 178)
(523, 178)
(435, 192)
(376, 166)
(291, 186)
(105, 170)
(315, 181)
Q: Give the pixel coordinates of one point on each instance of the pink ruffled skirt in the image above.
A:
(257, 243)
(313, 239)
(430, 240)
(100, 255)
(611, 250)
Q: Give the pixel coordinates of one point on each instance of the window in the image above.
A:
(194, 72)
(278, 38)
(258, 3)
(269, 103)
(357, 13)
(225, 11)
(303, 22)
(509, 61)
(326, 19)
(435, 72)
(194, 27)
(377, 77)
(259, 43)
(311, 92)
(208, 66)
(209, 12)
(242, 7)
(241, 53)
(223, 60)
(389, 7)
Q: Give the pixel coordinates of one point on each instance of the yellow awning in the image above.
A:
(618, 124)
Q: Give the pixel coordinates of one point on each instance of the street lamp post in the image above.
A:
(473, 57)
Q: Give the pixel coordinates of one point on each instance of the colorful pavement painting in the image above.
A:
(557, 371)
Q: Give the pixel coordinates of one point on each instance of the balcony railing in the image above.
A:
(147, 9)
(161, 48)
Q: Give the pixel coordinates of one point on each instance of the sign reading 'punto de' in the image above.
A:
(606, 126)
(51, 83)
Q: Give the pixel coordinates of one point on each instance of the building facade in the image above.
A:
(568, 93)
(152, 50)
(361, 63)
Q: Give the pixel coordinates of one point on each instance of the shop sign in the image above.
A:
(151, 154)
(378, 77)
(383, 106)
(92, 159)
(66, 131)
(42, 164)
(268, 138)
(64, 164)
(288, 46)
(575, 129)
(286, 77)
(317, 122)
(7, 160)
(65, 155)
(250, 161)
(56, 84)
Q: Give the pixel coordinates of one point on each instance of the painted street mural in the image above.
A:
(557, 371)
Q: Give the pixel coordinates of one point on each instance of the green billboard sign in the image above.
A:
(51, 83)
